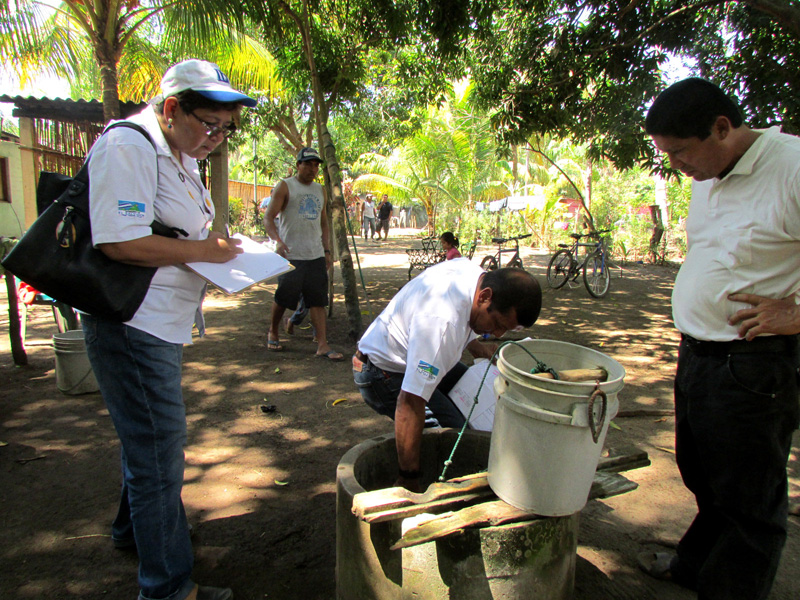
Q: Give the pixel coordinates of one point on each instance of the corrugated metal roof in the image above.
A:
(65, 110)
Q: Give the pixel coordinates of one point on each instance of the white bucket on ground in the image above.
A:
(74, 373)
(543, 455)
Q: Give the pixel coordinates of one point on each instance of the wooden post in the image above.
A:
(29, 161)
(14, 329)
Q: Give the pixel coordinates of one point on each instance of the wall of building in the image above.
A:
(12, 214)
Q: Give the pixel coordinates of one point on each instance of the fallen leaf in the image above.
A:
(277, 369)
(340, 400)
(281, 482)
(615, 426)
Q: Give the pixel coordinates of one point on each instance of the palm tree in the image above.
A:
(450, 162)
(39, 38)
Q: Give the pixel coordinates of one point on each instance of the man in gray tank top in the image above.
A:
(302, 236)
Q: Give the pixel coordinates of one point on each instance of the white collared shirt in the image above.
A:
(425, 329)
(744, 236)
(129, 187)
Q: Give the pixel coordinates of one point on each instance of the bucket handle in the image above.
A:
(593, 424)
(580, 415)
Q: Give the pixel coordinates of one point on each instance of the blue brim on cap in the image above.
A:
(220, 96)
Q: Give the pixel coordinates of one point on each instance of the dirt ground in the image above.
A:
(260, 487)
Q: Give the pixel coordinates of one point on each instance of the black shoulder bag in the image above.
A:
(56, 255)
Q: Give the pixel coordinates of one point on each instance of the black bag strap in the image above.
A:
(75, 196)
(80, 183)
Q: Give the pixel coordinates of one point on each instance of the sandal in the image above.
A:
(331, 355)
(274, 346)
(656, 564)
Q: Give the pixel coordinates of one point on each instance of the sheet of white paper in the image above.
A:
(256, 264)
(463, 395)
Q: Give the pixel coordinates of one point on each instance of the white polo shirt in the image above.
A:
(425, 328)
(744, 236)
(130, 185)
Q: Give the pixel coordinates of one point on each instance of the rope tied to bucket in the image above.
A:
(597, 393)
(542, 368)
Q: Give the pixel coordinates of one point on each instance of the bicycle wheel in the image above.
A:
(515, 262)
(488, 263)
(558, 271)
(596, 275)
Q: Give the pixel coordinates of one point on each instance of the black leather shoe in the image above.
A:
(205, 592)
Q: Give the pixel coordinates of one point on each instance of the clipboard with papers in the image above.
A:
(256, 264)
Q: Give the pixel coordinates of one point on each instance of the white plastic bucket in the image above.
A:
(74, 373)
(543, 453)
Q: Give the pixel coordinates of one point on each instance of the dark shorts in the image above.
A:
(309, 278)
(383, 224)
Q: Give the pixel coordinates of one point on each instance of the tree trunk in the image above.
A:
(339, 218)
(108, 74)
(338, 210)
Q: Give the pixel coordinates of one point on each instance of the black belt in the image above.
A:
(773, 344)
(361, 356)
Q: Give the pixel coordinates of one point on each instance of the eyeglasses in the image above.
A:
(212, 130)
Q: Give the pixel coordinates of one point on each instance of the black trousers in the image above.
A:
(736, 407)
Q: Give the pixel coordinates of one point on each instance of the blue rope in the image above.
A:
(540, 368)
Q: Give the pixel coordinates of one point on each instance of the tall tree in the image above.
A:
(588, 69)
(323, 51)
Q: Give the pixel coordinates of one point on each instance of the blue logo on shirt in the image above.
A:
(309, 208)
(129, 208)
(427, 370)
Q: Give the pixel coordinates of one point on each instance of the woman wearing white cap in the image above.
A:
(134, 181)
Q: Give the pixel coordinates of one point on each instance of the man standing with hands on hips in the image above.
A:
(302, 236)
(734, 302)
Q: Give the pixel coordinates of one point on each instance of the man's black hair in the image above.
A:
(514, 288)
(689, 108)
(190, 101)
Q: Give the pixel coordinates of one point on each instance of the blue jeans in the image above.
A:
(140, 379)
(734, 418)
(301, 313)
(369, 226)
(380, 390)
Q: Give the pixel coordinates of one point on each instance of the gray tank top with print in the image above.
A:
(300, 221)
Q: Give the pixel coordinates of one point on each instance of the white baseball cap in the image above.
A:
(203, 77)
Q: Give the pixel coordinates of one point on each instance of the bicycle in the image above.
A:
(565, 265)
(493, 261)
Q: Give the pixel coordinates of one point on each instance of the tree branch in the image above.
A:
(575, 187)
(675, 13)
(783, 14)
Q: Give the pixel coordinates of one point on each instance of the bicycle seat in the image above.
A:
(499, 240)
(576, 236)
